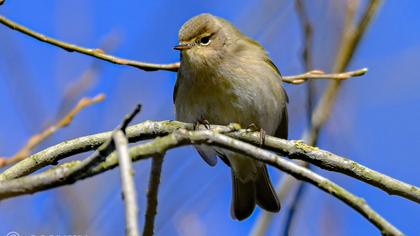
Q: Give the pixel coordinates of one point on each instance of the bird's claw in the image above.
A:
(199, 122)
(253, 128)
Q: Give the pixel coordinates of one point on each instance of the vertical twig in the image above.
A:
(152, 195)
(310, 95)
(351, 38)
(128, 184)
(294, 207)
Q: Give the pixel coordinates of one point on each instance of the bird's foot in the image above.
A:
(234, 127)
(199, 122)
(253, 128)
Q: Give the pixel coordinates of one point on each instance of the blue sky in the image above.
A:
(374, 121)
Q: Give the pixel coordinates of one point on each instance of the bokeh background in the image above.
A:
(375, 119)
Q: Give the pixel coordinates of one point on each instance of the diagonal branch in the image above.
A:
(348, 47)
(37, 139)
(209, 137)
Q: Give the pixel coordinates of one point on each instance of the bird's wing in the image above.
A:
(282, 128)
(208, 154)
(175, 89)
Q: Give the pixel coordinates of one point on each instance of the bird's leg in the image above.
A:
(202, 121)
(262, 137)
(254, 128)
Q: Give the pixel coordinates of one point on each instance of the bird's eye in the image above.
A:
(205, 40)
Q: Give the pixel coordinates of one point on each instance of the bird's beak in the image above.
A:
(183, 46)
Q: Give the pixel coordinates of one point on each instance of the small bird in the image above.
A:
(226, 77)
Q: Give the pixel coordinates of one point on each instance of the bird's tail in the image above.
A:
(266, 195)
(247, 193)
(243, 198)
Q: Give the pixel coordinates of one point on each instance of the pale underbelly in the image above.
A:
(228, 109)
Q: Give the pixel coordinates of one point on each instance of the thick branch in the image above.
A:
(183, 137)
(151, 129)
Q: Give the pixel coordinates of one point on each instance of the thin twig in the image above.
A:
(317, 74)
(151, 129)
(294, 207)
(183, 137)
(37, 139)
(100, 54)
(307, 56)
(128, 184)
(152, 195)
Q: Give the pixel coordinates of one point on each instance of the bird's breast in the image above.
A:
(226, 99)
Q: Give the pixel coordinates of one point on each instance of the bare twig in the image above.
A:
(209, 137)
(307, 56)
(317, 74)
(35, 140)
(128, 185)
(294, 207)
(150, 129)
(100, 54)
(152, 195)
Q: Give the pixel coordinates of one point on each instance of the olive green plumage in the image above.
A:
(226, 77)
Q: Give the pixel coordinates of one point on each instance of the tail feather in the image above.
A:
(244, 197)
(265, 193)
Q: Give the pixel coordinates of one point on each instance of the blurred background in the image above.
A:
(374, 121)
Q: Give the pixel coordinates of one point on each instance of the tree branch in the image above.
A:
(37, 139)
(150, 129)
(318, 74)
(152, 195)
(209, 137)
(100, 54)
(128, 184)
(308, 35)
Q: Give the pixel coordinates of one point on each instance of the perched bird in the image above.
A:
(226, 77)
